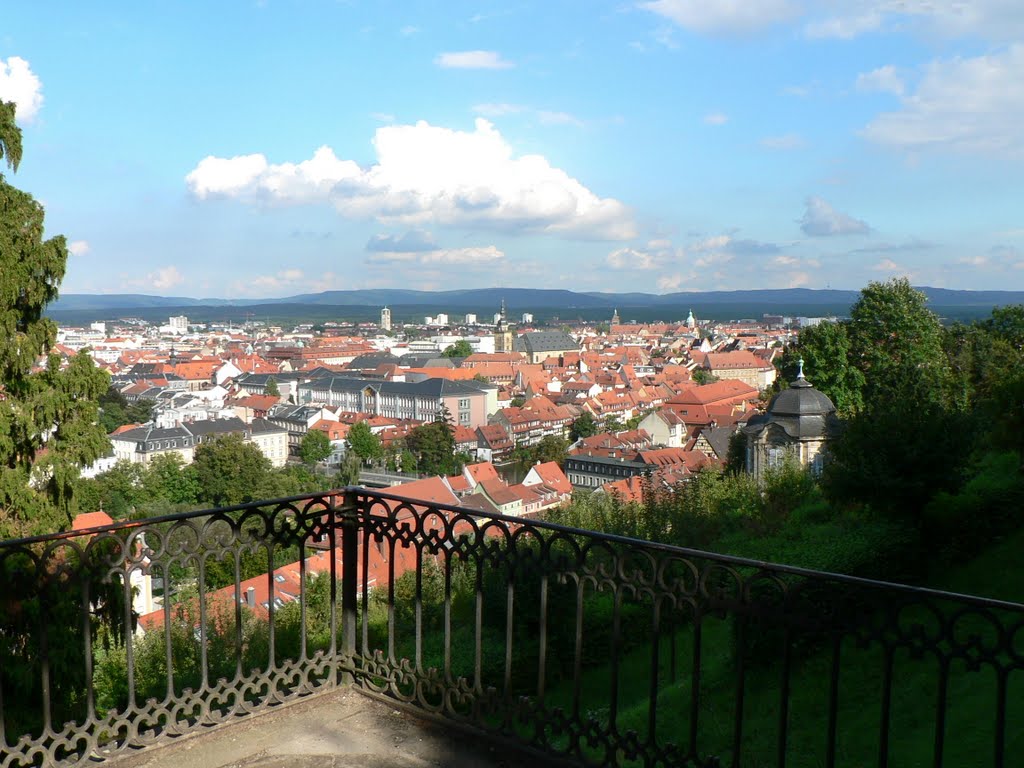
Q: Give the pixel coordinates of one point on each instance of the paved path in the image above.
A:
(332, 730)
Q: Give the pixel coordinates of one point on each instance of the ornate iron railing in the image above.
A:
(594, 648)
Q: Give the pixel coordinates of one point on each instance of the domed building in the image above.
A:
(799, 423)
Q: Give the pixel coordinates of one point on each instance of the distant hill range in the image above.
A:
(532, 299)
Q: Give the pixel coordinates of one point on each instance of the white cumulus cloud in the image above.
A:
(427, 174)
(883, 80)
(472, 60)
(78, 247)
(822, 220)
(961, 104)
(844, 27)
(472, 256)
(164, 278)
(18, 83)
(283, 279)
(631, 258)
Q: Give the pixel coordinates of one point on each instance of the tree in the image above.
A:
(363, 442)
(825, 350)
(349, 471)
(583, 426)
(272, 388)
(315, 446)
(433, 445)
(460, 348)
(905, 443)
(613, 424)
(116, 411)
(52, 408)
(168, 478)
(896, 342)
(230, 471)
(701, 376)
(549, 448)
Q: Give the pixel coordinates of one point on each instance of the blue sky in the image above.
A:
(284, 146)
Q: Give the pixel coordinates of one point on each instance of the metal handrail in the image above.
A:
(498, 623)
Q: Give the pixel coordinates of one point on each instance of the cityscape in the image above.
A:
(471, 384)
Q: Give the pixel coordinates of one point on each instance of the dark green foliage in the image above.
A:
(433, 446)
(363, 442)
(315, 446)
(50, 407)
(612, 424)
(168, 478)
(583, 426)
(40, 616)
(960, 524)
(115, 411)
(907, 439)
(825, 350)
(702, 376)
(461, 348)
(230, 471)
(550, 448)
(272, 388)
(896, 343)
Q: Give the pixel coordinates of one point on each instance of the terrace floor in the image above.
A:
(333, 730)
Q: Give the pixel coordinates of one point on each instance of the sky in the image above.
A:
(266, 148)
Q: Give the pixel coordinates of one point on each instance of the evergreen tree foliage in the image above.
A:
(272, 388)
(41, 406)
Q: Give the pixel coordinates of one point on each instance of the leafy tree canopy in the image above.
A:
(460, 348)
(230, 471)
(825, 350)
(315, 446)
(363, 442)
(583, 426)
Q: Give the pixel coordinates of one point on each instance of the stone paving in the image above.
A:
(333, 730)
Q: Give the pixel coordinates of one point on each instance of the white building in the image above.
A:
(527, 318)
(385, 319)
(470, 319)
(178, 324)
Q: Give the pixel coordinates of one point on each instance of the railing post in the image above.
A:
(349, 581)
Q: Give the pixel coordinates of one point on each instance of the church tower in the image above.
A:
(385, 319)
(504, 339)
(615, 318)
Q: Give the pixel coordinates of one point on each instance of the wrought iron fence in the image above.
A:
(598, 649)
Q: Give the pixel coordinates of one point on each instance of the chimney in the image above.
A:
(250, 597)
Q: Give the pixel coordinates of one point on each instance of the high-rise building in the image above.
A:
(179, 324)
(470, 318)
(385, 319)
(527, 317)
